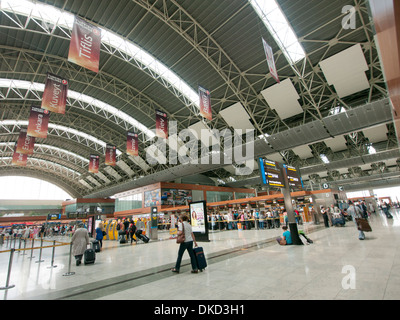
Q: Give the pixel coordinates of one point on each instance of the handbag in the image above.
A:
(181, 235)
(363, 225)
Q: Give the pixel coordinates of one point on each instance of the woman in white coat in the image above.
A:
(80, 241)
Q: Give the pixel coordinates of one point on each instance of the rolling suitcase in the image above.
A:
(96, 245)
(141, 236)
(200, 258)
(89, 256)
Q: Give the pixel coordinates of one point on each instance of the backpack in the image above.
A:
(118, 226)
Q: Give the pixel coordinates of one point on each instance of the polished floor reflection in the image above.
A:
(241, 265)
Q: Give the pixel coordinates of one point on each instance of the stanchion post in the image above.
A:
(40, 252)
(8, 286)
(24, 253)
(69, 273)
(31, 257)
(52, 256)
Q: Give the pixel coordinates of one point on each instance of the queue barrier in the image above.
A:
(13, 250)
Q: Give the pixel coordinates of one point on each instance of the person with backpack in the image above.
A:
(132, 230)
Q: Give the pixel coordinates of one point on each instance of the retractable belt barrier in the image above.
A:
(13, 250)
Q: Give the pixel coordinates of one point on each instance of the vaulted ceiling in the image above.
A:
(215, 44)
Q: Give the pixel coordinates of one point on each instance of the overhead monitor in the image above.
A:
(294, 178)
(271, 174)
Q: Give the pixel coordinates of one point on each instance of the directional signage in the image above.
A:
(294, 179)
(270, 173)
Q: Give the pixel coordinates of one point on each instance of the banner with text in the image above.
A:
(38, 122)
(19, 159)
(270, 59)
(84, 48)
(132, 144)
(111, 155)
(205, 103)
(25, 143)
(94, 162)
(161, 124)
(55, 94)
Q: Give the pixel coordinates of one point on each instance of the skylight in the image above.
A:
(278, 26)
(371, 149)
(324, 158)
(26, 85)
(55, 17)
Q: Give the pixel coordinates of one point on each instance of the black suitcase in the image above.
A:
(200, 258)
(141, 236)
(89, 256)
(96, 245)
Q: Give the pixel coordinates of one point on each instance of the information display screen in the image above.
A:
(198, 216)
(271, 173)
(294, 179)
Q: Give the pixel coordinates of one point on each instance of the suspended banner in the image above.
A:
(132, 144)
(205, 103)
(94, 162)
(38, 122)
(25, 143)
(19, 159)
(270, 59)
(161, 124)
(111, 155)
(84, 48)
(55, 94)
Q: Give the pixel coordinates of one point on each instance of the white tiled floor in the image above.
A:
(241, 265)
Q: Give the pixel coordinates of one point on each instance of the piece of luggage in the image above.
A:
(303, 235)
(141, 236)
(338, 221)
(200, 258)
(96, 246)
(89, 256)
(363, 225)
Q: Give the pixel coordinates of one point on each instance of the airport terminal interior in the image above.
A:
(271, 125)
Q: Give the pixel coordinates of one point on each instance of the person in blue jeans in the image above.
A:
(186, 245)
(285, 236)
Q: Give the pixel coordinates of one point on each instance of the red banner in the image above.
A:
(19, 159)
(84, 48)
(38, 122)
(270, 59)
(132, 144)
(161, 124)
(94, 162)
(111, 155)
(205, 103)
(55, 94)
(25, 143)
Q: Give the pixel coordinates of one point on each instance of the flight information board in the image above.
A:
(271, 173)
(294, 179)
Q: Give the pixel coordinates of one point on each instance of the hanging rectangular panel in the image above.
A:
(270, 60)
(84, 48)
(38, 122)
(132, 144)
(161, 124)
(25, 143)
(111, 155)
(55, 94)
(283, 98)
(237, 117)
(205, 103)
(94, 161)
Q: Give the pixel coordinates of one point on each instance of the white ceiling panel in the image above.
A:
(275, 157)
(376, 134)
(346, 71)
(103, 177)
(204, 133)
(125, 167)
(140, 162)
(237, 117)
(303, 152)
(112, 172)
(336, 144)
(283, 97)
